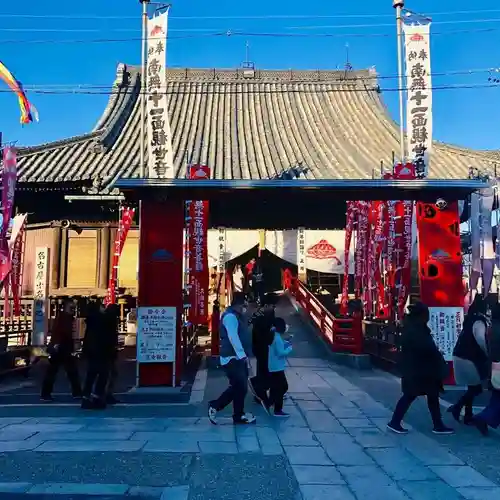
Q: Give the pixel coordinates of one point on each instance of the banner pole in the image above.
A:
(398, 5)
(143, 88)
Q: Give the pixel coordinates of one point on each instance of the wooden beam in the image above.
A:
(57, 234)
(63, 268)
(104, 256)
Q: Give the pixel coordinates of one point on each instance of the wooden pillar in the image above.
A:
(104, 257)
(160, 292)
(63, 268)
(55, 282)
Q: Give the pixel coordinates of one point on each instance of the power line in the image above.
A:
(236, 17)
(99, 86)
(204, 30)
(230, 33)
(80, 91)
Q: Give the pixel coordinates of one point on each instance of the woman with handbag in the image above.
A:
(423, 370)
(490, 416)
(470, 359)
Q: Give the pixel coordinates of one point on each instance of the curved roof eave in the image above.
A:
(246, 127)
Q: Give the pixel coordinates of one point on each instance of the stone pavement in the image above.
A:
(334, 446)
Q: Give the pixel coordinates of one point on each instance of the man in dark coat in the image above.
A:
(99, 348)
(60, 350)
(262, 321)
(422, 368)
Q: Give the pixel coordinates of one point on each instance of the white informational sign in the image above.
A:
(301, 251)
(221, 250)
(419, 103)
(446, 324)
(160, 160)
(40, 293)
(156, 334)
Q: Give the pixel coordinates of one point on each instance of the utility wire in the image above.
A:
(202, 30)
(236, 17)
(230, 33)
(79, 91)
(98, 86)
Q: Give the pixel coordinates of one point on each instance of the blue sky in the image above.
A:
(465, 117)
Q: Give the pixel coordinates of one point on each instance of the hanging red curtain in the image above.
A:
(17, 263)
(198, 252)
(126, 219)
(351, 214)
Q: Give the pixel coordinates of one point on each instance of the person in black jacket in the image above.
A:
(262, 337)
(423, 370)
(490, 416)
(470, 359)
(99, 347)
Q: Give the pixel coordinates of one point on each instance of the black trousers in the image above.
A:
(278, 388)
(261, 382)
(467, 399)
(96, 379)
(237, 373)
(406, 401)
(57, 361)
(112, 376)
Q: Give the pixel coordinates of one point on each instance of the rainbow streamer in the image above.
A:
(28, 111)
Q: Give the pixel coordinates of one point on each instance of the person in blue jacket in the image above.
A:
(278, 352)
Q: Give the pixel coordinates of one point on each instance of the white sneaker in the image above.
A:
(245, 419)
(212, 414)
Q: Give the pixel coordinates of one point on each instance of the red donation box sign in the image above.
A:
(198, 252)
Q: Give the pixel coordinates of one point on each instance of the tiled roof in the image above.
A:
(246, 126)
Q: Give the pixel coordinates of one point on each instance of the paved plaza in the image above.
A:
(334, 446)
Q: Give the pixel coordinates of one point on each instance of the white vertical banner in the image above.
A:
(40, 294)
(160, 161)
(419, 95)
(221, 250)
(301, 252)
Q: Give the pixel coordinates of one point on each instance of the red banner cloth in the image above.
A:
(17, 262)
(127, 217)
(403, 241)
(351, 214)
(9, 176)
(198, 252)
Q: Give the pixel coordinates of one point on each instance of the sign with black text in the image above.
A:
(419, 92)
(160, 163)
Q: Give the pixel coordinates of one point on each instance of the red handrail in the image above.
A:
(341, 334)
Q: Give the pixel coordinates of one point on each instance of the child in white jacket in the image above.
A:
(278, 351)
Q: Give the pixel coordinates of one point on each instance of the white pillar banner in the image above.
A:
(160, 160)
(227, 244)
(486, 223)
(419, 92)
(301, 251)
(475, 233)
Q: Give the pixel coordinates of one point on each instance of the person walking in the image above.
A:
(490, 416)
(262, 323)
(238, 279)
(470, 359)
(112, 315)
(60, 350)
(278, 352)
(249, 279)
(94, 347)
(235, 349)
(423, 370)
(258, 282)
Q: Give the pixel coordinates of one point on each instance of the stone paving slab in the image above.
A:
(95, 490)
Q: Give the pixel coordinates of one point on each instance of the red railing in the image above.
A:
(341, 334)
